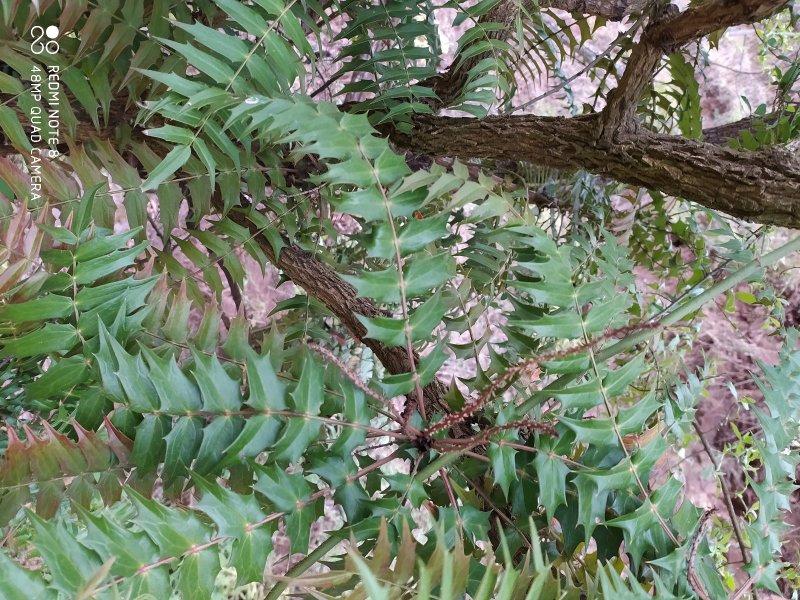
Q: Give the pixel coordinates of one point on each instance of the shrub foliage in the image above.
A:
(157, 445)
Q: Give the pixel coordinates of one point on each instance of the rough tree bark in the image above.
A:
(667, 32)
(761, 186)
(341, 298)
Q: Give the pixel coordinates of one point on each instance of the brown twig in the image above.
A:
(726, 494)
(508, 376)
(694, 580)
(236, 293)
(747, 584)
(452, 497)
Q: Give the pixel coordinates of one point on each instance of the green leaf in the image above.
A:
(245, 16)
(367, 204)
(355, 171)
(250, 552)
(82, 216)
(176, 392)
(148, 445)
(173, 161)
(258, 434)
(289, 494)
(171, 133)
(70, 563)
(130, 550)
(391, 332)
(426, 273)
(11, 127)
(50, 306)
(59, 338)
(220, 391)
(182, 444)
(600, 432)
(175, 83)
(217, 439)
(382, 286)
(233, 514)
(101, 245)
(355, 411)
(197, 574)
(125, 376)
(92, 270)
(207, 64)
(429, 365)
(300, 432)
(17, 583)
(61, 376)
(426, 319)
(374, 590)
(205, 155)
(552, 474)
(504, 468)
(173, 530)
(389, 167)
(413, 237)
(77, 83)
(308, 395)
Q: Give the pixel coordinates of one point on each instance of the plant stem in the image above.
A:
(313, 557)
(726, 494)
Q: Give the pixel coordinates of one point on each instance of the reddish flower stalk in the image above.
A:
(507, 376)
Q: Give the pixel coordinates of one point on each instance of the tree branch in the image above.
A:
(711, 16)
(321, 282)
(761, 186)
(612, 10)
(723, 133)
(666, 34)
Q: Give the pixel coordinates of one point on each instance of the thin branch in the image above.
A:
(740, 593)
(450, 84)
(236, 293)
(506, 378)
(341, 298)
(726, 493)
(694, 580)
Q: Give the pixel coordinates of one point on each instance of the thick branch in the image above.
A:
(711, 16)
(612, 10)
(723, 133)
(664, 35)
(759, 186)
(321, 282)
